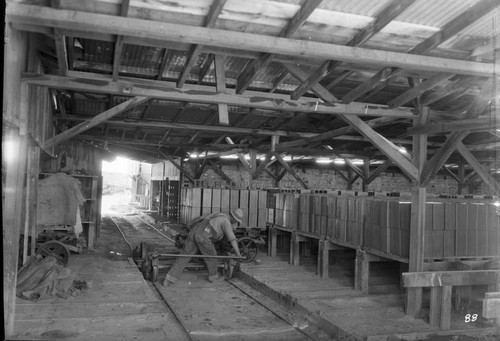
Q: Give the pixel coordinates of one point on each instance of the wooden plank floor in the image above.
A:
(119, 305)
(336, 305)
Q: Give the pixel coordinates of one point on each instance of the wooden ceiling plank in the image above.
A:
(94, 121)
(290, 170)
(419, 89)
(247, 76)
(480, 170)
(220, 77)
(384, 17)
(82, 81)
(195, 50)
(449, 30)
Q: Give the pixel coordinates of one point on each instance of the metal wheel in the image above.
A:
(248, 248)
(55, 249)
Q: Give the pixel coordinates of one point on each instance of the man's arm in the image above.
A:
(228, 231)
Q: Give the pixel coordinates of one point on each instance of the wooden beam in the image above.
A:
(290, 170)
(277, 81)
(384, 17)
(417, 217)
(138, 142)
(165, 59)
(176, 165)
(481, 171)
(98, 119)
(82, 81)
(450, 173)
(385, 146)
(195, 50)
(437, 161)
(84, 21)
(317, 88)
(449, 30)
(451, 278)
(378, 171)
(246, 77)
(376, 122)
(355, 168)
(419, 89)
(220, 172)
(220, 77)
(241, 157)
(263, 165)
(208, 128)
(117, 52)
(484, 123)
(206, 66)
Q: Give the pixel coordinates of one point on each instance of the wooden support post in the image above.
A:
(323, 260)
(445, 307)
(362, 272)
(435, 308)
(294, 248)
(461, 176)
(271, 242)
(253, 162)
(366, 173)
(221, 88)
(417, 219)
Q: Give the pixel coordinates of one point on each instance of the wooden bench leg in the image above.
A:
(323, 254)
(271, 243)
(362, 272)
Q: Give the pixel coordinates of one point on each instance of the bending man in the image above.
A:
(201, 237)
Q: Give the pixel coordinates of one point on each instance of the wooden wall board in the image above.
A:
(450, 216)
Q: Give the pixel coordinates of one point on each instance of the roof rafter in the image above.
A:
(385, 16)
(380, 79)
(196, 49)
(251, 70)
(82, 21)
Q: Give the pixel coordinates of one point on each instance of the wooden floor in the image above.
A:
(336, 306)
(119, 305)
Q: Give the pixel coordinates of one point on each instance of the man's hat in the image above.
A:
(237, 214)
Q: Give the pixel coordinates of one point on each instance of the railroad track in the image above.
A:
(229, 310)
